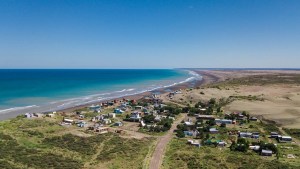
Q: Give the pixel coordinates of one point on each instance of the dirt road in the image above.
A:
(159, 151)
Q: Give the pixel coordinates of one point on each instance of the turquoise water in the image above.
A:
(46, 90)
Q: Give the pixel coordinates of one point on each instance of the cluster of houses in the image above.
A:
(280, 138)
(254, 135)
(230, 118)
(99, 121)
(32, 115)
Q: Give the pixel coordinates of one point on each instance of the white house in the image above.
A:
(106, 121)
(119, 124)
(112, 115)
(266, 152)
(135, 116)
(68, 121)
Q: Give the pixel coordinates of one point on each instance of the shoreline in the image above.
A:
(206, 78)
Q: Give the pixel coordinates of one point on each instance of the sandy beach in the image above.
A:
(281, 100)
(206, 79)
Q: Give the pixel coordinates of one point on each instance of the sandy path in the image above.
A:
(159, 151)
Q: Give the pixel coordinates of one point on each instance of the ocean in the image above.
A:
(42, 90)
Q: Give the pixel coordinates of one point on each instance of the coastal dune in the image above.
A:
(276, 100)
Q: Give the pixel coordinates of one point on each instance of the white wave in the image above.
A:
(124, 90)
(90, 99)
(16, 109)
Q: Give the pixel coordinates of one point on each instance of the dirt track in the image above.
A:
(158, 153)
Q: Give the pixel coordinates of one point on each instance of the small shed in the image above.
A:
(38, 114)
(101, 130)
(118, 111)
(50, 115)
(106, 121)
(138, 107)
(266, 152)
(284, 139)
(81, 124)
(253, 119)
(28, 115)
(112, 115)
(119, 124)
(188, 133)
(222, 144)
(213, 130)
(68, 121)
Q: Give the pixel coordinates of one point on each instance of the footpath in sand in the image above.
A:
(163, 141)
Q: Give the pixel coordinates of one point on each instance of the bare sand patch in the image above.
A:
(281, 101)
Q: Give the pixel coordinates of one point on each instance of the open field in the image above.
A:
(273, 96)
(42, 143)
(181, 155)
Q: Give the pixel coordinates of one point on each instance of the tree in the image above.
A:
(241, 145)
(207, 136)
(212, 101)
(211, 122)
(219, 109)
(268, 146)
(182, 127)
(148, 118)
(233, 146)
(200, 135)
(180, 134)
(223, 125)
(186, 109)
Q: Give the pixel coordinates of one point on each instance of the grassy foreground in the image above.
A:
(40, 143)
(181, 155)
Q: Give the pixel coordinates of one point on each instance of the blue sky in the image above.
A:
(149, 33)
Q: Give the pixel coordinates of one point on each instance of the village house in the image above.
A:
(266, 152)
(136, 116)
(118, 111)
(112, 115)
(194, 143)
(28, 115)
(81, 116)
(255, 148)
(222, 143)
(138, 108)
(188, 123)
(223, 121)
(106, 121)
(213, 130)
(95, 108)
(101, 130)
(142, 123)
(81, 124)
(245, 134)
(51, 114)
(68, 121)
(253, 119)
(124, 106)
(118, 124)
(205, 117)
(274, 135)
(188, 133)
(39, 115)
(284, 139)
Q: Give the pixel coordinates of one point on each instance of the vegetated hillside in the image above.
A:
(39, 143)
